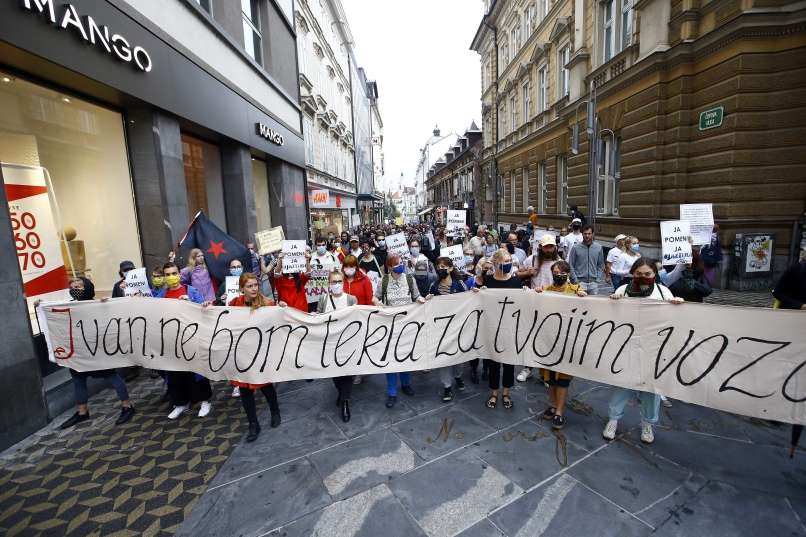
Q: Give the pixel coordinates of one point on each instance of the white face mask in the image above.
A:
(349, 271)
(336, 288)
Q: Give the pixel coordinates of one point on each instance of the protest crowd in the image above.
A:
(388, 265)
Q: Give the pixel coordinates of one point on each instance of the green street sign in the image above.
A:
(712, 118)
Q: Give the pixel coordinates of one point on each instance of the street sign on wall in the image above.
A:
(711, 118)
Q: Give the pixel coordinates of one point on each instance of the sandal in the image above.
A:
(492, 401)
(507, 402)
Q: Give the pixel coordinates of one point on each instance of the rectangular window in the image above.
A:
(541, 89)
(544, 8)
(626, 24)
(513, 37)
(512, 191)
(204, 179)
(260, 180)
(527, 103)
(562, 70)
(562, 185)
(542, 187)
(513, 120)
(204, 4)
(608, 30)
(527, 23)
(251, 29)
(525, 189)
(608, 171)
(502, 122)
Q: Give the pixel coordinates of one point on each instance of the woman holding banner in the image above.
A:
(642, 285)
(337, 299)
(290, 287)
(252, 298)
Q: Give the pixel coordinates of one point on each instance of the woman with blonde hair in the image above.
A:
(252, 298)
(196, 275)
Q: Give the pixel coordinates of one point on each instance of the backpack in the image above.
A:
(385, 286)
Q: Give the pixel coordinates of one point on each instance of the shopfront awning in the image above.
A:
(425, 211)
(370, 197)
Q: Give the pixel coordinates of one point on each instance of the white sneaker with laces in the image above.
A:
(647, 435)
(610, 430)
(236, 391)
(205, 409)
(177, 411)
(524, 374)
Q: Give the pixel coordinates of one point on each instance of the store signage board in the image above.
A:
(701, 219)
(455, 226)
(269, 240)
(264, 131)
(90, 31)
(675, 236)
(137, 283)
(711, 118)
(293, 257)
(397, 244)
(456, 254)
(320, 198)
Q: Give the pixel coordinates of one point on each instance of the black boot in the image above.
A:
(275, 419)
(254, 431)
(345, 410)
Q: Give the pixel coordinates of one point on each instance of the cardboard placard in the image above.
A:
(137, 283)
(675, 236)
(456, 254)
(293, 257)
(269, 240)
(700, 217)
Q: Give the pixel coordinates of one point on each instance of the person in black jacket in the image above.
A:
(791, 288)
(119, 289)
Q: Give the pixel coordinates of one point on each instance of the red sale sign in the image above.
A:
(35, 238)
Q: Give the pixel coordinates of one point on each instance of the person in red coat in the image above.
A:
(356, 283)
(251, 297)
(290, 288)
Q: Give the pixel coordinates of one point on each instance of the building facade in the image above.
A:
(137, 114)
(432, 152)
(454, 181)
(693, 102)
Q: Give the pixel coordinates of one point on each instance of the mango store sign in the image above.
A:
(91, 32)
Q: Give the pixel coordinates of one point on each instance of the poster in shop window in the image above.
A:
(35, 236)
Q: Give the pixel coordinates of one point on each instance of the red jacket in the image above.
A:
(287, 292)
(360, 288)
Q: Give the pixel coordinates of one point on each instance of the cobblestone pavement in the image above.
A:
(423, 468)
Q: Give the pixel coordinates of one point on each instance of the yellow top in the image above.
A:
(568, 288)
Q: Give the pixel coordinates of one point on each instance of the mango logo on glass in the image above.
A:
(91, 32)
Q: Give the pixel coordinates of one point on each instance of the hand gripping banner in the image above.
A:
(749, 361)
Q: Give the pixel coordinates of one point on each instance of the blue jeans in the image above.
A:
(391, 382)
(80, 386)
(616, 280)
(650, 404)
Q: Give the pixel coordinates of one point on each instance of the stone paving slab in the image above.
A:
(436, 433)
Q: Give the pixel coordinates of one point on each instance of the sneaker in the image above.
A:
(460, 384)
(665, 402)
(177, 411)
(610, 430)
(548, 414)
(126, 414)
(205, 409)
(524, 374)
(357, 380)
(74, 419)
(236, 391)
(391, 401)
(647, 435)
(407, 389)
(447, 395)
(557, 422)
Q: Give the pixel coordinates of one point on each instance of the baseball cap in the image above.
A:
(354, 238)
(576, 220)
(126, 265)
(620, 237)
(547, 240)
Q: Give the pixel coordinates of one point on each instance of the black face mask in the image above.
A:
(576, 227)
(510, 248)
(560, 279)
(442, 273)
(77, 294)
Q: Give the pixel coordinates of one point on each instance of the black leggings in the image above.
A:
(186, 388)
(495, 374)
(248, 401)
(345, 386)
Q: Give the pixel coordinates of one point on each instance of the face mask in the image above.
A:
(636, 247)
(349, 271)
(415, 251)
(510, 248)
(77, 294)
(321, 250)
(506, 268)
(399, 269)
(643, 283)
(157, 281)
(560, 279)
(381, 243)
(442, 273)
(575, 227)
(336, 288)
(236, 271)
(469, 260)
(172, 280)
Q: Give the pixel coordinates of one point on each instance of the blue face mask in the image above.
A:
(236, 271)
(636, 247)
(399, 269)
(506, 268)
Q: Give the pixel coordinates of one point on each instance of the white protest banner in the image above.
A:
(269, 240)
(749, 361)
(676, 246)
(232, 288)
(294, 257)
(456, 254)
(137, 283)
(701, 218)
(35, 237)
(397, 244)
(455, 224)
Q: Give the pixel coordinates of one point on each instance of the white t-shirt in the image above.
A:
(328, 261)
(614, 254)
(623, 264)
(340, 302)
(570, 240)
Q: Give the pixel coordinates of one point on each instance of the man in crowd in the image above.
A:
(587, 262)
(514, 249)
(574, 237)
(478, 241)
(119, 289)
